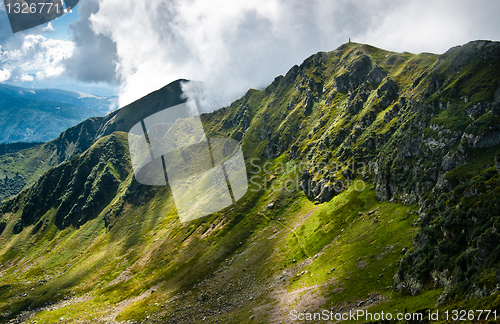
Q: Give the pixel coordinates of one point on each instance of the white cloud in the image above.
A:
(26, 77)
(435, 26)
(235, 45)
(5, 75)
(47, 29)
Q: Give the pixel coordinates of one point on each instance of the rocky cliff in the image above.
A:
(372, 173)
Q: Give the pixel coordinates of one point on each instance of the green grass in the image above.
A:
(136, 241)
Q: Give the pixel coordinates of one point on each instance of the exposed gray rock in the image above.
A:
(382, 189)
(359, 70)
(406, 283)
(305, 183)
(441, 278)
(271, 150)
(328, 191)
(292, 75)
(388, 92)
(390, 114)
(308, 102)
(487, 139)
(477, 109)
(376, 75)
(486, 244)
(341, 82)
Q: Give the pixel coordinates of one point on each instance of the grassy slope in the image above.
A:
(245, 260)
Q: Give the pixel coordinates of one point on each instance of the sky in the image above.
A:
(132, 47)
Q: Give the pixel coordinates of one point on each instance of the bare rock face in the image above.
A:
(322, 190)
(388, 92)
(487, 139)
(406, 283)
(497, 95)
(359, 70)
(376, 75)
(329, 190)
(305, 184)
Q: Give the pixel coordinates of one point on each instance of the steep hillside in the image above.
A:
(373, 185)
(31, 163)
(24, 120)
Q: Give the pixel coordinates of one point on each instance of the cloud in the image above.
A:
(48, 29)
(435, 26)
(236, 45)
(94, 58)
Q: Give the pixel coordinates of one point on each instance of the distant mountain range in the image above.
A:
(39, 115)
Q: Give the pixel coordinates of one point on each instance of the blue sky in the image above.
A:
(135, 47)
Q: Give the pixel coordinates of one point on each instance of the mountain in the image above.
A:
(75, 98)
(28, 120)
(373, 185)
(26, 166)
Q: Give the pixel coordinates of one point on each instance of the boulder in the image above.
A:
(487, 139)
(326, 194)
(305, 183)
(359, 70)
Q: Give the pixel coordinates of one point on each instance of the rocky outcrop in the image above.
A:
(407, 284)
(358, 71)
(388, 92)
(376, 75)
(3, 225)
(321, 190)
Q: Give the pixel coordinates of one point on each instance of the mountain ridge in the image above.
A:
(420, 131)
(77, 139)
(75, 98)
(34, 120)
(40, 115)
